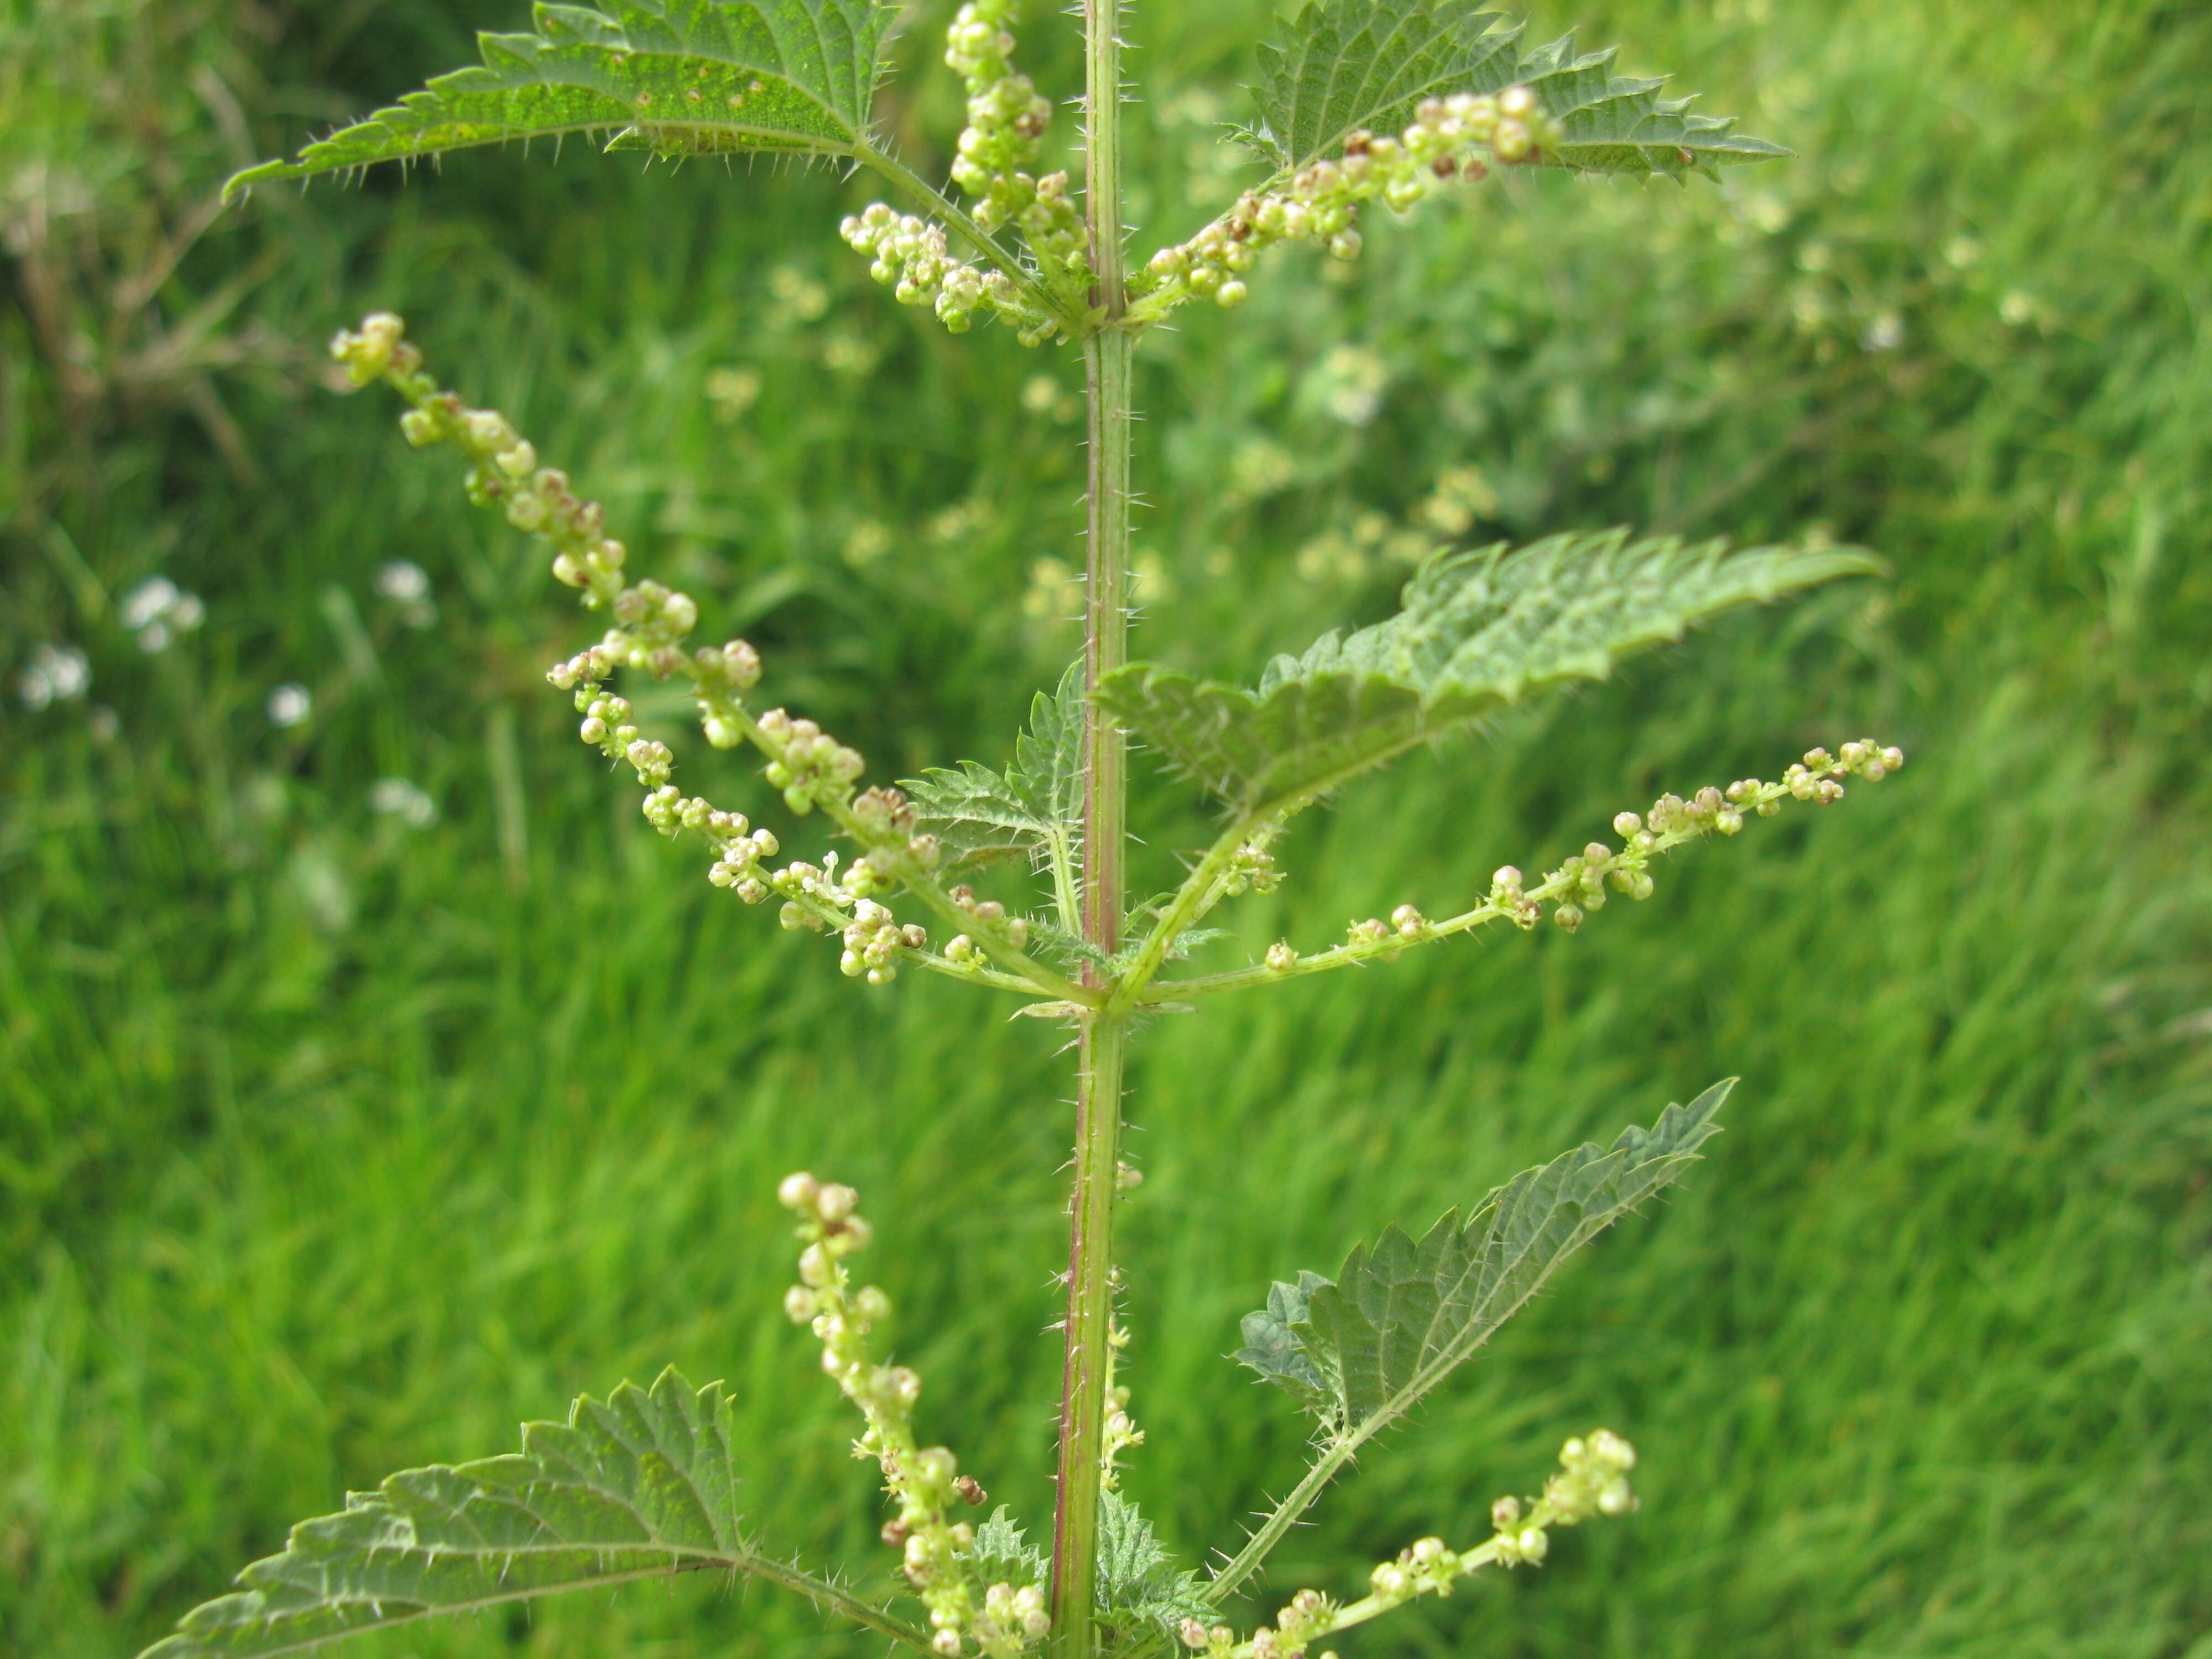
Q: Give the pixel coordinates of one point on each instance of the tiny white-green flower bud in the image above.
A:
(1533, 1545)
(797, 1191)
(815, 1267)
(798, 1304)
(870, 1303)
(834, 1203)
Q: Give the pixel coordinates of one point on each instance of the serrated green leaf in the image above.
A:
(682, 77)
(1348, 65)
(1616, 125)
(1139, 1585)
(1035, 806)
(1479, 631)
(639, 1486)
(1271, 1348)
(1399, 1316)
(1352, 64)
(1001, 1556)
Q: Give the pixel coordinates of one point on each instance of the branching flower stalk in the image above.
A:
(1363, 101)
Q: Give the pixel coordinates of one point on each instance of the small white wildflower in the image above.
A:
(56, 673)
(400, 798)
(290, 704)
(403, 579)
(148, 602)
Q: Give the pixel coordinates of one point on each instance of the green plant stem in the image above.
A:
(1284, 1516)
(1104, 1040)
(1136, 992)
(1198, 892)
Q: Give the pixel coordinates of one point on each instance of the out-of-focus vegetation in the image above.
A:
(371, 1076)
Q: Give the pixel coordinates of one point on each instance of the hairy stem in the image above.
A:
(1284, 1516)
(1199, 891)
(1106, 355)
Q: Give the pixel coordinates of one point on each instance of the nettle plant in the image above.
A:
(1363, 101)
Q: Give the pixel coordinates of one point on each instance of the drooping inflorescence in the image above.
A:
(1002, 1619)
(1453, 140)
(1007, 118)
(1592, 1479)
(651, 631)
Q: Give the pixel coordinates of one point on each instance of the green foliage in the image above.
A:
(1036, 805)
(1481, 630)
(1002, 1555)
(1353, 64)
(1361, 1350)
(1141, 1587)
(639, 1486)
(1926, 1364)
(1617, 125)
(681, 77)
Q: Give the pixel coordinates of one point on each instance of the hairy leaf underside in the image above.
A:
(682, 77)
(642, 1484)
(1349, 65)
(1399, 1316)
(1481, 630)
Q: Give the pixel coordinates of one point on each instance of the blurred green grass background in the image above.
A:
(337, 1140)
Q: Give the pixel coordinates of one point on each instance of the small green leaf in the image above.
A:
(1141, 1587)
(1001, 1556)
(682, 77)
(1035, 806)
(1271, 1349)
(1479, 631)
(1400, 1315)
(640, 1485)
(1348, 65)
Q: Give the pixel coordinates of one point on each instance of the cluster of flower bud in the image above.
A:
(1582, 883)
(503, 467)
(913, 259)
(1309, 1615)
(652, 624)
(873, 937)
(924, 1481)
(1592, 1480)
(1012, 1621)
(990, 917)
(609, 726)
(1451, 140)
(1251, 870)
(1428, 1565)
(1122, 1431)
(808, 765)
(1006, 114)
